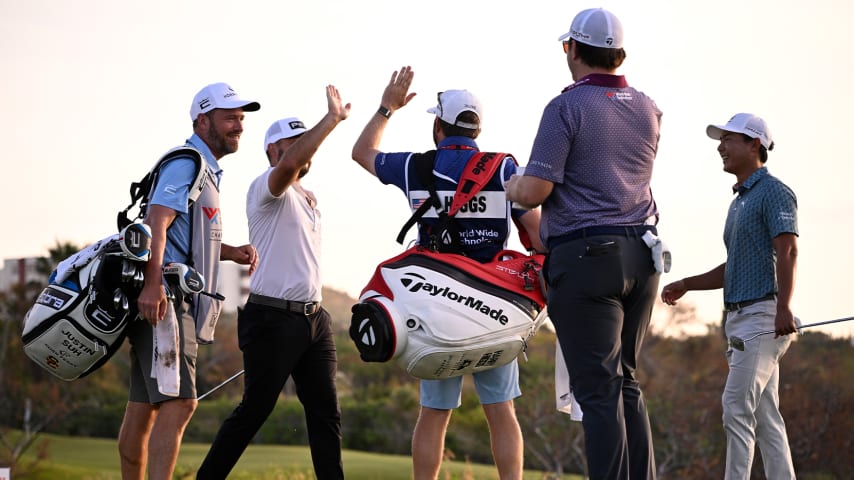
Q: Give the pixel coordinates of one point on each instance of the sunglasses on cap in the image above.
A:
(439, 103)
(566, 45)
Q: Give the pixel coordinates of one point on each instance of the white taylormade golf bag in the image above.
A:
(79, 320)
(442, 315)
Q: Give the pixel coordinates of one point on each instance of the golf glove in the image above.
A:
(661, 257)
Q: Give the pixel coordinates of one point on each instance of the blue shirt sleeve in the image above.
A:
(391, 168)
(173, 185)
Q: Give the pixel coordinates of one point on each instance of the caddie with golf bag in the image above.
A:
(186, 228)
(454, 304)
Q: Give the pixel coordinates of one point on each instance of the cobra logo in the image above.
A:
(53, 298)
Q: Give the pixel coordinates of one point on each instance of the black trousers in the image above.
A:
(600, 298)
(277, 344)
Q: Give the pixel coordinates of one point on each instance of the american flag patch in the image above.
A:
(417, 202)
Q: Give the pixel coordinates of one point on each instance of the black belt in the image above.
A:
(731, 307)
(305, 308)
(623, 231)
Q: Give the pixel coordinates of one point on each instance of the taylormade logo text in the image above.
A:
(415, 284)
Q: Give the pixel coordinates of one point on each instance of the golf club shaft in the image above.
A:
(806, 326)
(202, 396)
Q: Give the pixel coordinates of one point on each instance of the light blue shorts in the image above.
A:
(493, 386)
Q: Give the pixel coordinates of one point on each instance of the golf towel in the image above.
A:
(80, 259)
(566, 402)
(164, 362)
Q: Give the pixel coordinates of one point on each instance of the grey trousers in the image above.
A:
(751, 400)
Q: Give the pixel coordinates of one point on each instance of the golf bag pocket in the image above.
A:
(378, 329)
(442, 315)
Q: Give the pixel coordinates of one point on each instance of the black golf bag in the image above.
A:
(79, 319)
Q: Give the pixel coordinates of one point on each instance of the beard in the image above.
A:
(220, 144)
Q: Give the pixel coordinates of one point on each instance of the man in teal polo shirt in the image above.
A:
(758, 279)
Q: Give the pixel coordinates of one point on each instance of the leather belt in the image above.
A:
(305, 308)
(731, 307)
(623, 231)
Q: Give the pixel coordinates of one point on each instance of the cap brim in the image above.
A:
(246, 106)
(715, 131)
(564, 36)
(433, 110)
(276, 138)
(251, 107)
(293, 133)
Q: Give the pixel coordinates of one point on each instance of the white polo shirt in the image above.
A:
(285, 231)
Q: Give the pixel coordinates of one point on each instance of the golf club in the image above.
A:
(185, 277)
(738, 343)
(128, 270)
(117, 298)
(135, 241)
(202, 396)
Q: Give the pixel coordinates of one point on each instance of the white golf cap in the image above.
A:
(219, 95)
(451, 103)
(596, 27)
(746, 123)
(284, 128)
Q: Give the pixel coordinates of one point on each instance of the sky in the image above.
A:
(96, 90)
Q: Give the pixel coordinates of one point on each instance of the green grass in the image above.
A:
(76, 458)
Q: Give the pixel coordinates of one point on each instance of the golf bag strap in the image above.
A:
(424, 163)
(479, 169)
(140, 191)
(524, 238)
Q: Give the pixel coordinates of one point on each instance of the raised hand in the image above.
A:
(396, 94)
(337, 108)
